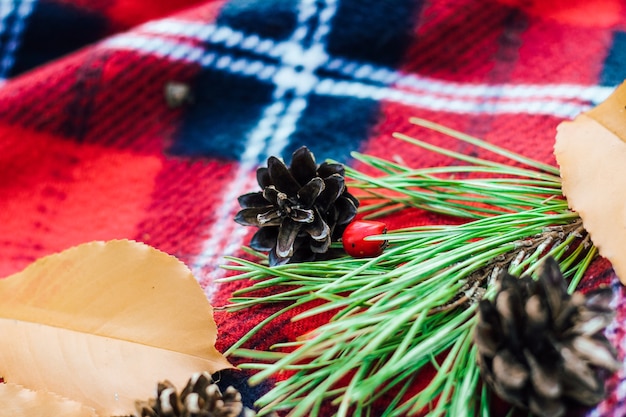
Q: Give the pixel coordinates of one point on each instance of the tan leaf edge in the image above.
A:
(103, 322)
(19, 401)
(591, 153)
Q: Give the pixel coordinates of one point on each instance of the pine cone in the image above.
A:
(301, 209)
(200, 398)
(539, 347)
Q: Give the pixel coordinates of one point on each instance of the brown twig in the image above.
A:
(477, 283)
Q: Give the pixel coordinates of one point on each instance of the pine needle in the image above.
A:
(414, 305)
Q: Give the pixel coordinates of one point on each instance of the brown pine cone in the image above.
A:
(200, 398)
(539, 347)
(301, 210)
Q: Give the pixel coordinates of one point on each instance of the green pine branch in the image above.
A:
(414, 305)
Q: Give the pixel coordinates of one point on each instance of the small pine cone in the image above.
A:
(200, 398)
(539, 347)
(301, 210)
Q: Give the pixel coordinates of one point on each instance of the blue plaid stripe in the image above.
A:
(207, 131)
(44, 30)
(614, 69)
(373, 31)
(269, 19)
(13, 18)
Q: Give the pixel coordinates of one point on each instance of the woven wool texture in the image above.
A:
(90, 150)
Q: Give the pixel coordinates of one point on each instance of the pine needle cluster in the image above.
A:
(414, 306)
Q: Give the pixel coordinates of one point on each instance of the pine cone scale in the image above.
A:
(169, 402)
(596, 352)
(287, 233)
(596, 310)
(309, 193)
(509, 371)
(269, 218)
(326, 169)
(547, 407)
(599, 300)
(263, 177)
(592, 325)
(509, 306)
(270, 194)
(264, 239)
(321, 245)
(192, 403)
(544, 376)
(281, 177)
(486, 330)
(346, 210)
(318, 229)
(251, 200)
(554, 288)
(300, 215)
(250, 216)
(579, 373)
(537, 313)
(335, 186)
(303, 166)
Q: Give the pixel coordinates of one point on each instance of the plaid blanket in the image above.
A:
(146, 119)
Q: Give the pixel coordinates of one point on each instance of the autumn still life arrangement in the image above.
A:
(488, 304)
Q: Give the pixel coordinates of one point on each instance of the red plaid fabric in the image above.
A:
(91, 150)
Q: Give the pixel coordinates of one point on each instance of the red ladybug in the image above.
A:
(354, 242)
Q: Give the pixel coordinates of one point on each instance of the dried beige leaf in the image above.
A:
(591, 153)
(18, 401)
(101, 323)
